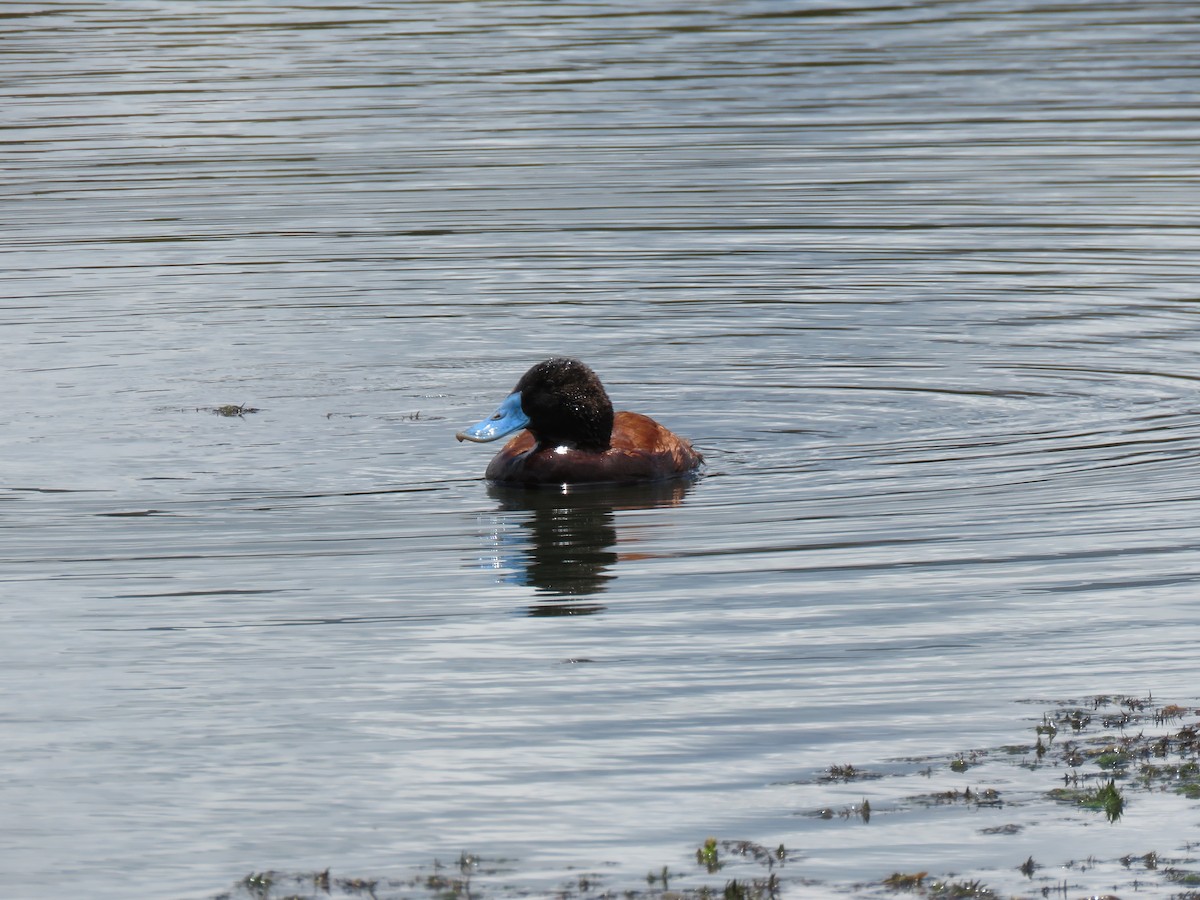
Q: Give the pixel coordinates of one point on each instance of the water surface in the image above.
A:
(917, 278)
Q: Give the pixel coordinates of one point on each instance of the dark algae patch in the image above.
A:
(1102, 772)
(229, 410)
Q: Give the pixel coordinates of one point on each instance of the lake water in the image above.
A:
(919, 279)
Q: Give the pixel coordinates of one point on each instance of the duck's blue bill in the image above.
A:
(507, 418)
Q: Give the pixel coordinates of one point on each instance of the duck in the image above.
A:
(569, 434)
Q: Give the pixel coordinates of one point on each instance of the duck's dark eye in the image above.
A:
(497, 416)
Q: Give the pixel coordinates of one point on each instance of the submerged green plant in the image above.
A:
(707, 856)
(1109, 799)
(1106, 798)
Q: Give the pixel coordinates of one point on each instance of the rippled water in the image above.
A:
(918, 278)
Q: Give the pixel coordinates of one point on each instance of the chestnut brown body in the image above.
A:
(640, 450)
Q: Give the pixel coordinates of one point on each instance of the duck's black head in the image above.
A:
(562, 403)
(566, 404)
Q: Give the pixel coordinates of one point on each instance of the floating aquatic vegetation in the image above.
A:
(959, 889)
(848, 773)
(899, 881)
(860, 810)
(983, 797)
(1082, 757)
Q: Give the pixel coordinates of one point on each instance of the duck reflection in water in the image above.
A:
(568, 542)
